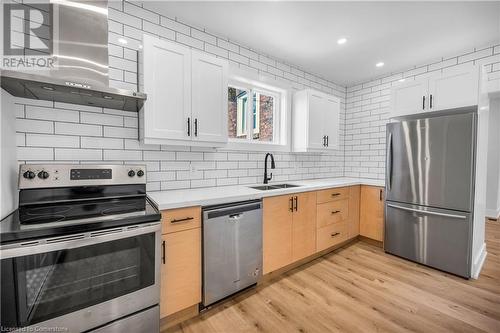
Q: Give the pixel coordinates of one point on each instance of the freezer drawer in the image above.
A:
(232, 250)
(430, 161)
(434, 237)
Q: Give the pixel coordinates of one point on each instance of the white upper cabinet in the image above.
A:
(315, 121)
(187, 95)
(209, 97)
(452, 89)
(409, 98)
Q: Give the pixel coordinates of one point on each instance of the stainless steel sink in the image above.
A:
(273, 187)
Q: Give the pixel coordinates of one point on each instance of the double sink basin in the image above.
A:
(273, 187)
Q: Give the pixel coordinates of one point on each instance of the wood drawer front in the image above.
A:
(174, 220)
(332, 212)
(331, 235)
(333, 194)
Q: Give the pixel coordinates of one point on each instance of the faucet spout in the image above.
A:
(273, 166)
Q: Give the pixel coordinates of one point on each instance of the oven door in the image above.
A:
(79, 282)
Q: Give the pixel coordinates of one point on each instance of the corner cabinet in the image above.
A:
(371, 219)
(187, 95)
(457, 87)
(316, 118)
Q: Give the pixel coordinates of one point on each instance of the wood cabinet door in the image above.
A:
(181, 271)
(453, 89)
(316, 131)
(209, 97)
(354, 201)
(409, 98)
(304, 225)
(277, 232)
(331, 121)
(167, 82)
(371, 223)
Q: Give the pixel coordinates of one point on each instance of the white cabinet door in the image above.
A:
(316, 117)
(209, 98)
(331, 121)
(409, 98)
(453, 89)
(167, 82)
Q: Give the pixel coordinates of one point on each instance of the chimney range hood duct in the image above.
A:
(80, 75)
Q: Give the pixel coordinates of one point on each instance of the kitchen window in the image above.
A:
(257, 116)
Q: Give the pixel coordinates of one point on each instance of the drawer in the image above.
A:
(331, 235)
(332, 212)
(174, 220)
(333, 194)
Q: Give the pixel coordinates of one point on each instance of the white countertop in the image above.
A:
(225, 194)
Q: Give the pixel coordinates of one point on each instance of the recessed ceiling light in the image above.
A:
(342, 41)
(122, 40)
(379, 64)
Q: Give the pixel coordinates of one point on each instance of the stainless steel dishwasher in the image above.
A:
(232, 249)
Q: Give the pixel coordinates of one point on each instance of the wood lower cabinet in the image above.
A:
(354, 210)
(289, 229)
(371, 220)
(304, 226)
(181, 265)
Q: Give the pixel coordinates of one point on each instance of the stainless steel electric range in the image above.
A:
(82, 252)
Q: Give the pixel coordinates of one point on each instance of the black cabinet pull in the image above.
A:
(381, 195)
(296, 203)
(195, 126)
(324, 140)
(327, 140)
(335, 234)
(335, 194)
(430, 102)
(335, 211)
(189, 126)
(182, 220)
(423, 102)
(163, 252)
(291, 204)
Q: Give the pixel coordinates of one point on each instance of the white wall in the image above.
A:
(493, 182)
(63, 133)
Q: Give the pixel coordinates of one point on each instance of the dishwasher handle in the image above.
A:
(231, 211)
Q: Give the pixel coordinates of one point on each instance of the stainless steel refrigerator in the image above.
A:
(430, 173)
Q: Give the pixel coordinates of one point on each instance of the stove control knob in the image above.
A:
(140, 173)
(29, 175)
(131, 173)
(43, 175)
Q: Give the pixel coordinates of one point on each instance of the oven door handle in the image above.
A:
(77, 240)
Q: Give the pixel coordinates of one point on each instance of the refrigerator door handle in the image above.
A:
(427, 212)
(389, 163)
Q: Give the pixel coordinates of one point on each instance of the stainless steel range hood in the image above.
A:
(80, 74)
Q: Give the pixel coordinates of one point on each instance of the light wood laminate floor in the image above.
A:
(359, 288)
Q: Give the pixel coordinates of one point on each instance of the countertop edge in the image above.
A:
(164, 204)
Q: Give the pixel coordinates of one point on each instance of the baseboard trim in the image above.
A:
(492, 214)
(479, 262)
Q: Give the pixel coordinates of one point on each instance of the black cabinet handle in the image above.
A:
(182, 220)
(163, 252)
(296, 203)
(335, 234)
(423, 102)
(430, 102)
(324, 140)
(195, 126)
(327, 140)
(381, 195)
(291, 204)
(189, 126)
(335, 211)
(335, 194)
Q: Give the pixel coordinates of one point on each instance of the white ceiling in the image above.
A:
(401, 34)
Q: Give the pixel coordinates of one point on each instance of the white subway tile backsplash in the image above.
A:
(78, 154)
(46, 140)
(120, 155)
(77, 129)
(36, 112)
(101, 119)
(34, 126)
(176, 26)
(104, 143)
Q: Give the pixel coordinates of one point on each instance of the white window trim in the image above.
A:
(246, 80)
